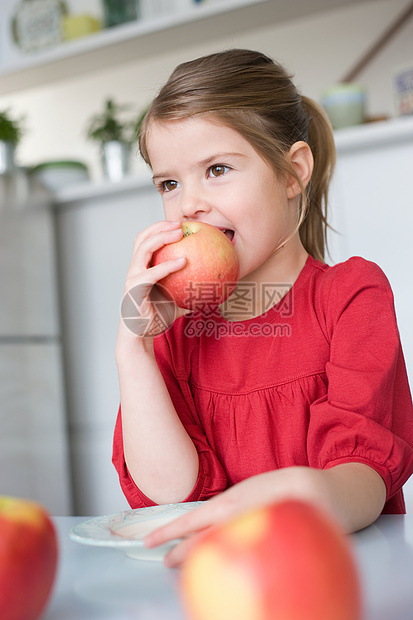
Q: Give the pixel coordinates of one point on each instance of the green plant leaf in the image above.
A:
(11, 130)
(108, 124)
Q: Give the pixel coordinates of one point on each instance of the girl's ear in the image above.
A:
(302, 159)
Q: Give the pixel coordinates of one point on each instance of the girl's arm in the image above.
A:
(160, 456)
(353, 493)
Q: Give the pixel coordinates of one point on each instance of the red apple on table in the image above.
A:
(28, 559)
(285, 562)
(211, 270)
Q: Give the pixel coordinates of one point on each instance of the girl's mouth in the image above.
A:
(229, 233)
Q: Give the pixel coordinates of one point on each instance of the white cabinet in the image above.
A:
(34, 459)
(34, 454)
(27, 272)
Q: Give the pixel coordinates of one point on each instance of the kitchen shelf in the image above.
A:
(87, 191)
(147, 37)
(374, 135)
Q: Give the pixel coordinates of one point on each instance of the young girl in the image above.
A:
(298, 387)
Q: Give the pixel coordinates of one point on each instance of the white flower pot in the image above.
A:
(7, 160)
(115, 160)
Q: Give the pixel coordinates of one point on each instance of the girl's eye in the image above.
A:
(168, 186)
(217, 170)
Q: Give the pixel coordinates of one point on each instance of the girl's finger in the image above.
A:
(178, 554)
(190, 523)
(144, 280)
(154, 229)
(220, 508)
(143, 250)
(157, 230)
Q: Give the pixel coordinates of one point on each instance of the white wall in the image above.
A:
(318, 50)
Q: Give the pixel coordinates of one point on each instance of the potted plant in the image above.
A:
(113, 136)
(11, 132)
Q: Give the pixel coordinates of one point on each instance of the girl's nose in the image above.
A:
(192, 204)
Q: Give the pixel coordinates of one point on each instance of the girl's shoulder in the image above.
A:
(348, 277)
(356, 290)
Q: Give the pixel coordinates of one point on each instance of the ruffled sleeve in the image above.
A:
(367, 414)
(211, 476)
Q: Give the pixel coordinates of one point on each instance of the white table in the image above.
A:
(96, 583)
(99, 583)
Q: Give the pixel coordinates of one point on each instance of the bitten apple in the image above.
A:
(28, 558)
(285, 562)
(211, 270)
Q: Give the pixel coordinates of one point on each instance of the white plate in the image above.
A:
(126, 530)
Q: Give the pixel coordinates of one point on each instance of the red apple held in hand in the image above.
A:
(211, 270)
(28, 559)
(288, 561)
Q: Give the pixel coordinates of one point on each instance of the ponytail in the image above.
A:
(313, 230)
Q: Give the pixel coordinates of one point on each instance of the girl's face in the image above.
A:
(208, 172)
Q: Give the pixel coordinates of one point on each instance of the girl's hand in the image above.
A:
(145, 309)
(249, 494)
(352, 493)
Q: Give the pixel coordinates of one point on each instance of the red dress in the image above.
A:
(318, 380)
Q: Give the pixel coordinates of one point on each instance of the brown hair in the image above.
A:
(255, 96)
